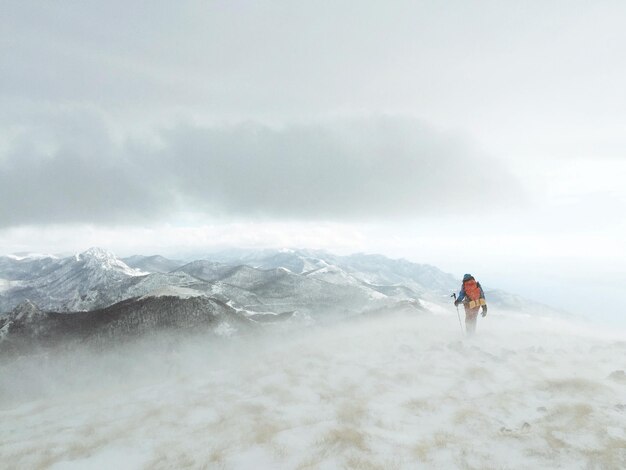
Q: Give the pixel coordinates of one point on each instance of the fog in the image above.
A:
(388, 391)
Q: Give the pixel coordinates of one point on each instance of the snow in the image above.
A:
(225, 329)
(390, 391)
(435, 308)
(31, 256)
(4, 331)
(173, 291)
(6, 284)
(376, 295)
(121, 456)
(247, 313)
(336, 275)
(26, 311)
(103, 259)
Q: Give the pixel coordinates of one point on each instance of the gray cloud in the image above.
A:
(71, 171)
(359, 169)
(458, 61)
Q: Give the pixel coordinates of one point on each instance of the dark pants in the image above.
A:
(470, 319)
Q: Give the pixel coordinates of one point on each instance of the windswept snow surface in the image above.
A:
(393, 391)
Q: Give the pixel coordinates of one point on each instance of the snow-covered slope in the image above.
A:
(370, 269)
(25, 316)
(172, 291)
(398, 279)
(279, 289)
(18, 268)
(206, 270)
(100, 259)
(395, 392)
(295, 261)
(152, 264)
(334, 275)
(83, 281)
(142, 285)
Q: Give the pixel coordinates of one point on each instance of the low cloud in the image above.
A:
(355, 169)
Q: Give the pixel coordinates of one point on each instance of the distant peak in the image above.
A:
(97, 252)
(101, 258)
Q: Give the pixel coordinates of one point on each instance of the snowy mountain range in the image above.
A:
(92, 292)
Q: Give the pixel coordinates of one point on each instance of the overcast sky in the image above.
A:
(485, 136)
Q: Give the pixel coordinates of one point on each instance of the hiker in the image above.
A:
(472, 297)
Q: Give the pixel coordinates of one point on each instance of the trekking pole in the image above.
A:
(458, 314)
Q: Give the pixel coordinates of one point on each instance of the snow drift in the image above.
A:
(383, 391)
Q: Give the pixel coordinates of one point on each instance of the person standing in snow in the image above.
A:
(473, 298)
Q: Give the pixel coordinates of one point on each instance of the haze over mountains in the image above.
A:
(95, 295)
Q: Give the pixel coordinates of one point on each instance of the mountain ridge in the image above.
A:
(130, 318)
(266, 280)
